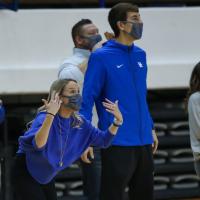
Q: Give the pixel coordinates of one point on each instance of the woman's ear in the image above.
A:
(60, 96)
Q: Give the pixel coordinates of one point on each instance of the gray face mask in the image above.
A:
(74, 102)
(92, 40)
(136, 31)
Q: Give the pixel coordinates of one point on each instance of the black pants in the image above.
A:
(92, 176)
(26, 187)
(127, 166)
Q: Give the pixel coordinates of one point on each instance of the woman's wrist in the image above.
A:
(51, 114)
(116, 125)
(117, 122)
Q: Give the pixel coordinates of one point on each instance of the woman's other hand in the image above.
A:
(113, 109)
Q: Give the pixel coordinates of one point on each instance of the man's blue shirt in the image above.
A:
(119, 72)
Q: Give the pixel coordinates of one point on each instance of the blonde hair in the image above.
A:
(58, 87)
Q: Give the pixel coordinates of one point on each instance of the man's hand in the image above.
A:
(98, 45)
(109, 36)
(155, 142)
(87, 153)
(83, 66)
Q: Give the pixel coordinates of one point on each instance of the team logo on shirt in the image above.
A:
(140, 64)
(119, 66)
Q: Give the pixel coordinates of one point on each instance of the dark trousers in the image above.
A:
(197, 163)
(127, 166)
(26, 187)
(91, 174)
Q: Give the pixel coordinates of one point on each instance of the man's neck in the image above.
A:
(125, 39)
(82, 48)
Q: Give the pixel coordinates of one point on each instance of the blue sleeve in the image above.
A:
(2, 114)
(152, 123)
(93, 83)
(27, 141)
(99, 138)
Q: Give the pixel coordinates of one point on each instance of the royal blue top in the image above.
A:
(119, 72)
(43, 163)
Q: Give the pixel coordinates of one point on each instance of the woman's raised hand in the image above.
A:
(54, 104)
(113, 109)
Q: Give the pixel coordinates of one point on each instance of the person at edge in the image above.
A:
(57, 137)
(118, 70)
(193, 107)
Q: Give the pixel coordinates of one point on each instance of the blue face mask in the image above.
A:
(92, 40)
(74, 102)
(136, 31)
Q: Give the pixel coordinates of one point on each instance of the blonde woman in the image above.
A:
(57, 137)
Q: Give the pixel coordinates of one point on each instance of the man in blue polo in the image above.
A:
(118, 71)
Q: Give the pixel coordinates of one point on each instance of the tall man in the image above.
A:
(118, 71)
(86, 38)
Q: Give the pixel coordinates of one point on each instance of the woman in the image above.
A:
(194, 115)
(57, 137)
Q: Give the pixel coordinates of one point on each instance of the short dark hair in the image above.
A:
(77, 28)
(119, 13)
